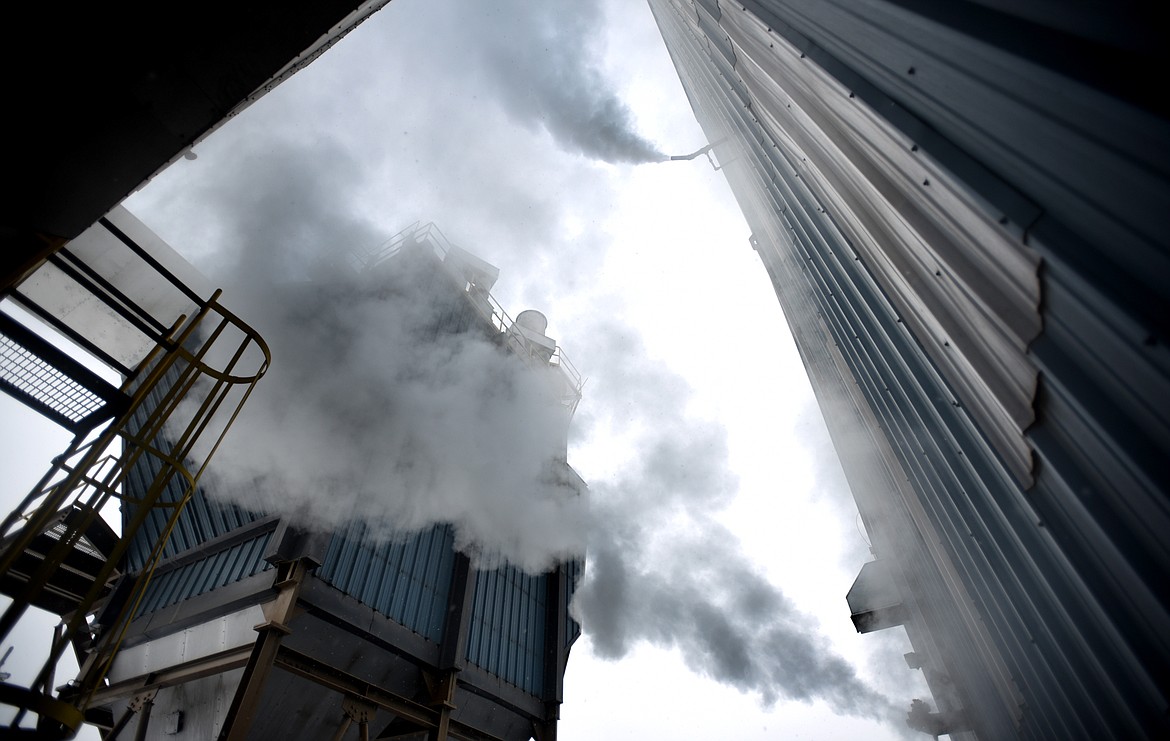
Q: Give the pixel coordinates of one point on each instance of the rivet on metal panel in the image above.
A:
(358, 710)
(139, 701)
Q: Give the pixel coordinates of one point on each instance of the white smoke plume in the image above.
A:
(367, 412)
(370, 412)
(377, 409)
(374, 411)
(538, 60)
(662, 569)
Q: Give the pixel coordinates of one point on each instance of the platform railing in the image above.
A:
(430, 235)
(182, 402)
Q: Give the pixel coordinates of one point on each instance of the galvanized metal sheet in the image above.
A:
(407, 579)
(507, 631)
(1042, 605)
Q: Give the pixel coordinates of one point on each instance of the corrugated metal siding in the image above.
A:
(214, 570)
(406, 580)
(1045, 600)
(970, 292)
(507, 633)
(573, 571)
(202, 518)
(1005, 95)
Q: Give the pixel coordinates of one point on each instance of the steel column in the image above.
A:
(278, 613)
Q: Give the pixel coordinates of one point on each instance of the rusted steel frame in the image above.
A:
(305, 666)
(207, 666)
(278, 614)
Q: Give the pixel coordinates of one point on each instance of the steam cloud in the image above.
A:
(370, 410)
(662, 569)
(371, 413)
(538, 60)
(367, 413)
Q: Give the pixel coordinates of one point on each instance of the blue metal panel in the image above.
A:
(407, 580)
(202, 519)
(202, 575)
(709, 27)
(1043, 119)
(711, 6)
(507, 631)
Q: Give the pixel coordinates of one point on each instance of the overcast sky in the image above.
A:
(721, 533)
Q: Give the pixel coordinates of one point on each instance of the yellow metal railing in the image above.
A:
(192, 387)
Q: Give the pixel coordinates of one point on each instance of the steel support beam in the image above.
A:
(554, 654)
(144, 718)
(305, 666)
(453, 645)
(207, 666)
(278, 614)
(442, 691)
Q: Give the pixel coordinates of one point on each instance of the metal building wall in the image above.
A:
(405, 580)
(507, 627)
(211, 568)
(961, 222)
(132, 90)
(202, 520)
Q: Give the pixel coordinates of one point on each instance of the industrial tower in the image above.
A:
(962, 208)
(238, 624)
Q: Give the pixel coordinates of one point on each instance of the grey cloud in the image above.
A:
(541, 61)
(286, 216)
(687, 586)
(373, 410)
(373, 422)
(662, 569)
(402, 121)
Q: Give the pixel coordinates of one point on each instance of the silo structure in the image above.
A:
(254, 627)
(962, 209)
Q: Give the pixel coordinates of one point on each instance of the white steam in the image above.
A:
(377, 410)
(538, 59)
(383, 406)
(662, 569)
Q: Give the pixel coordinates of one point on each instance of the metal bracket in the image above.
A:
(358, 710)
(139, 701)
